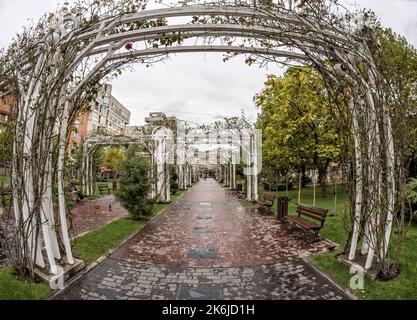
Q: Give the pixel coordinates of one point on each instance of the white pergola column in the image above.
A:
(92, 186)
(358, 183)
(248, 186)
(255, 169)
(152, 173)
(234, 171)
(231, 175)
(185, 177)
(87, 175)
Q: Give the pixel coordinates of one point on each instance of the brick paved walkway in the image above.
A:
(90, 215)
(207, 246)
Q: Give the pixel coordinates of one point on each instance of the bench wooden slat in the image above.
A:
(304, 223)
(318, 214)
(314, 210)
(268, 199)
(6, 191)
(311, 215)
(103, 186)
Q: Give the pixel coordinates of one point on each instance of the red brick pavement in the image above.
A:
(205, 217)
(90, 215)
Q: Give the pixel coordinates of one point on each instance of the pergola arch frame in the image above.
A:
(346, 68)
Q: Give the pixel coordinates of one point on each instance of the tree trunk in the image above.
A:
(322, 180)
(303, 176)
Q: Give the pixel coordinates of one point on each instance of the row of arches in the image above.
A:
(73, 53)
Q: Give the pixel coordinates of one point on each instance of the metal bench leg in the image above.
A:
(293, 228)
(316, 238)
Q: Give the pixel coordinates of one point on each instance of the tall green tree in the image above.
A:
(298, 128)
(397, 59)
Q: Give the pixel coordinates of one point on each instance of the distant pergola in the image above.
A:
(164, 151)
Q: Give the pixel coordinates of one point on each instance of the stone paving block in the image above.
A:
(199, 293)
(202, 253)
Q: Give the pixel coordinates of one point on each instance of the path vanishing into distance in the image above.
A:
(205, 246)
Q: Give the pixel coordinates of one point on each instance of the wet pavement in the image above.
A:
(89, 215)
(207, 246)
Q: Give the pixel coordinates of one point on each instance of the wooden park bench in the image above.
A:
(103, 186)
(6, 191)
(317, 217)
(266, 201)
(239, 192)
(6, 195)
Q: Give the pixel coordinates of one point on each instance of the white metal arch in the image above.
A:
(341, 45)
(105, 39)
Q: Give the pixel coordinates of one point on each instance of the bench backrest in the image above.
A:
(103, 185)
(6, 191)
(269, 198)
(316, 213)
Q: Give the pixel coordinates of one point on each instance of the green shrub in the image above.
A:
(173, 181)
(134, 187)
(411, 194)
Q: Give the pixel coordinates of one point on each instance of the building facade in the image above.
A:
(107, 116)
(4, 110)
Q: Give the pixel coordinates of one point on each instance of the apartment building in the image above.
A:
(107, 116)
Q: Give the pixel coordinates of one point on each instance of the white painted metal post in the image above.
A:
(255, 168)
(234, 171)
(358, 182)
(61, 192)
(248, 186)
(92, 173)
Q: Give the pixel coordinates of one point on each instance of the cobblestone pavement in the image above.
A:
(121, 280)
(206, 246)
(89, 215)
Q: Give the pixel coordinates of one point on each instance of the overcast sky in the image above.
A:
(196, 87)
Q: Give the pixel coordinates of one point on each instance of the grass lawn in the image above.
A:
(402, 287)
(97, 243)
(11, 288)
(4, 181)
